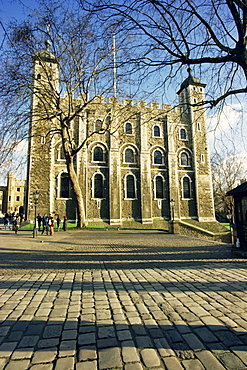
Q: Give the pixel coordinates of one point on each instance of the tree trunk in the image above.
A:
(81, 222)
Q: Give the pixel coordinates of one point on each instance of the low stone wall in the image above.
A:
(191, 230)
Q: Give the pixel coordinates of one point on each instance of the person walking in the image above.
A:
(58, 222)
(65, 223)
(45, 224)
(15, 223)
(39, 219)
(6, 222)
(51, 224)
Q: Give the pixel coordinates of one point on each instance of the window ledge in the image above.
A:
(63, 198)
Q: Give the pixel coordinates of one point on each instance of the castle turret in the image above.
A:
(191, 99)
(44, 102)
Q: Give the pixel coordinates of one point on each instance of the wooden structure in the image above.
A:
(239, 195)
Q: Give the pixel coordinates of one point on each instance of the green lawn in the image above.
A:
(29, 227)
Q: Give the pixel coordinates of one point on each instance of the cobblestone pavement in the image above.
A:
(131, 300)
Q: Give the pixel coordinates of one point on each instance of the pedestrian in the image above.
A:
(6, 222)
(58, 222)
(39, 219)
(15, 223)
(45, 224)
(51, 224)
(65, 223)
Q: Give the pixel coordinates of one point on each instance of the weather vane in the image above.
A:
(48, 26)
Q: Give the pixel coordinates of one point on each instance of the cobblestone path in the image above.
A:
(129, 300)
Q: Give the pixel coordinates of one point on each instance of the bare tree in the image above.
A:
(78, 55)
(228, 170)
(209, 34)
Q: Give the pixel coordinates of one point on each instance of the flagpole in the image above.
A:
(114, 66)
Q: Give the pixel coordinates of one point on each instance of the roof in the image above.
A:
(190, 80)
(241, 189)
(46, 55)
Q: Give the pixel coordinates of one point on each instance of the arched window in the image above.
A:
(64, 186)
(98, 184)
(156, 131)
(61, 154)
(159, 187)
(129, 156)
(98, 154)
(158, 158)
(184, 159)
(98, 125)
(130, 187)
(128, 128)
(183, 134)
(186, 188)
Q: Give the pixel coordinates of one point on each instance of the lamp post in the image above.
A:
(229, 217)
(172, 203)
(36, 201)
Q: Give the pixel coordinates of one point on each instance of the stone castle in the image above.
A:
(140, 162)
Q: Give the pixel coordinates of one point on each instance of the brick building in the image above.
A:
(148, 156)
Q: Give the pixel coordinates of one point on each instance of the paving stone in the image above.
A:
(67, 348)
(228, 338)
(193, 365)
(42, 367)
(52, 331)
(107, 342)
(87, 353)
(129, 352)
(135, 366)
(14, 336)
(209, 361)
(69, 334)
(47, 343)
(7, 348)
(109, 358)
(22, 353)
(35, 329)
(87, 365)
(230, 361)
(144, 342)
(205, 334)
(66, 363)
(4, 330)
(172, 363)
(163, 347)
(18, 365)
(174, 335)
(43, 356)
(212, 322)
(88, 338)
(106, 332)
(139, 330)
(150, 357)
(20, 326)
(124, 335)
(241, 352)
(3, 362)
(29, 341)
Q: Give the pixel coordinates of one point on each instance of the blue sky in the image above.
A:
(15, 9)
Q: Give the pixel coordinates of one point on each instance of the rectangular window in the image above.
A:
(18, 189)
(17, 198)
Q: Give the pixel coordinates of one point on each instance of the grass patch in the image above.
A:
(29, 227)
